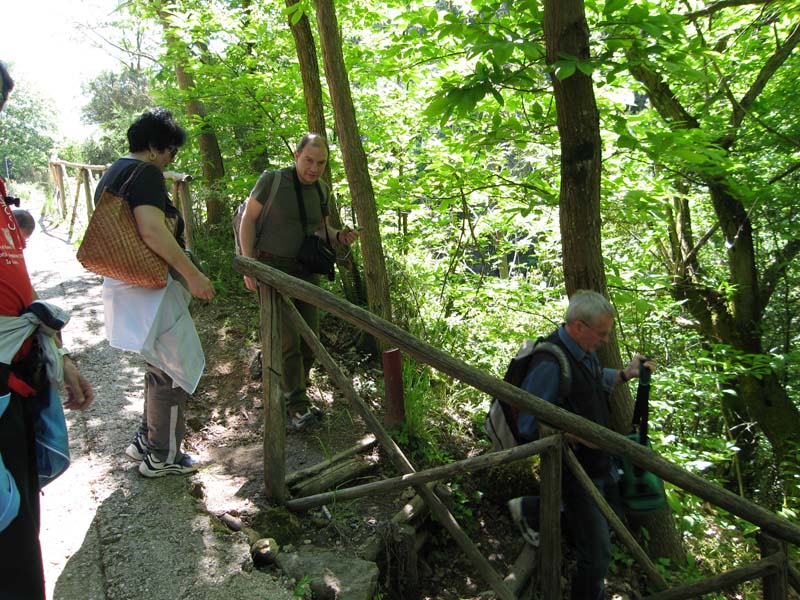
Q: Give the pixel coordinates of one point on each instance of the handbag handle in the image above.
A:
(129, 181)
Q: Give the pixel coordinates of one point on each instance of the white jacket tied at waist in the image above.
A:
(156, 324)
(15, 330)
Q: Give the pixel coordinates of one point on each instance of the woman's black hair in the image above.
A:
(155, 128)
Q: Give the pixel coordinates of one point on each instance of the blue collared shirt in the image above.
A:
(544, 379)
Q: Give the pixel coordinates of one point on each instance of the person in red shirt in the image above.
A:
(21, 571)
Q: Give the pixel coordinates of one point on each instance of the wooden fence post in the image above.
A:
(550, 520)
(188, 212)
(87, 191)
(394, 414)
(74, 206)
(274, 412)
(776, 585)
(61, 171)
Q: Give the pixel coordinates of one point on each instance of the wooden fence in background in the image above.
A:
(85, 179)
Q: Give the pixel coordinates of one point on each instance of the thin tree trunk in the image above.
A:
(213, 169)
(315, 116)
(355, 160)
(566, 31)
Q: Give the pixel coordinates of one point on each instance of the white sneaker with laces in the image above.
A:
(152, 467)
(137, 449)
(529, 534)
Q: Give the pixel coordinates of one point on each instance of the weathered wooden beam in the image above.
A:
(468, 465)
(176, 176)
(412, 513)
(546, 412)
(274, 411)
(614, 521)
(550, 553)
(334, 475)
(775, 585)
(87, 192)
(794, 577)
(522, 570)
(402, 464)
(74, 165)
(187, 210)
(753, 570)
(364, 444)
(74, 207)
(58, 177)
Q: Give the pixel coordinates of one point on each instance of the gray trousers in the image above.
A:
(163, 421)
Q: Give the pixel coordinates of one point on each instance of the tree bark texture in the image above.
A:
(567, 32)
(355, 160)
(306, 50)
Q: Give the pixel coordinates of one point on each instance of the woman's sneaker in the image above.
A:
(520, 518)
(137, 448)
(152, 467)
(298, 421)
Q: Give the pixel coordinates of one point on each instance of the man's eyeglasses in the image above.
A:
(601, 334)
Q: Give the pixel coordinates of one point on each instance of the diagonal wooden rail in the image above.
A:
(401, 463)
(547, 413)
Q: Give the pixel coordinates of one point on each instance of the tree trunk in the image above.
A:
(355, 160)
(566, 31)
(315, 116)
(213, 169)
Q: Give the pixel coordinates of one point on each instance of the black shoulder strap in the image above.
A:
(641, 410)
(123, 190)
(301, 206)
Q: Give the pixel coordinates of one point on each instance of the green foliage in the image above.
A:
(303, 587)
(116, 99)
(27, 133)
(457, 118)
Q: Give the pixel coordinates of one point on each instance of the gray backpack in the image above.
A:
(501, 421)
(262, 217)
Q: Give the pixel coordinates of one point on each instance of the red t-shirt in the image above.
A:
(16, 291)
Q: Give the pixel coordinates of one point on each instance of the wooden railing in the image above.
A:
(276, 291)
(85, 180)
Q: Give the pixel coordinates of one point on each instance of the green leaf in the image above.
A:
(498, 96)
(564, 69)
(586, 68)
(613, 6)
(627, 141)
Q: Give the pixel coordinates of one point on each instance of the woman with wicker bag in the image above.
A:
(156, 322)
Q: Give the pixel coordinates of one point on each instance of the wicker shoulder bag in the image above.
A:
(112, 246)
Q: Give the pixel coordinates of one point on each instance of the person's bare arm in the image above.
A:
(344, 236)
(247, 234)
(80, 394)
(154, 232)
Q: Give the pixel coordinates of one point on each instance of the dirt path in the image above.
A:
(107, 533)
